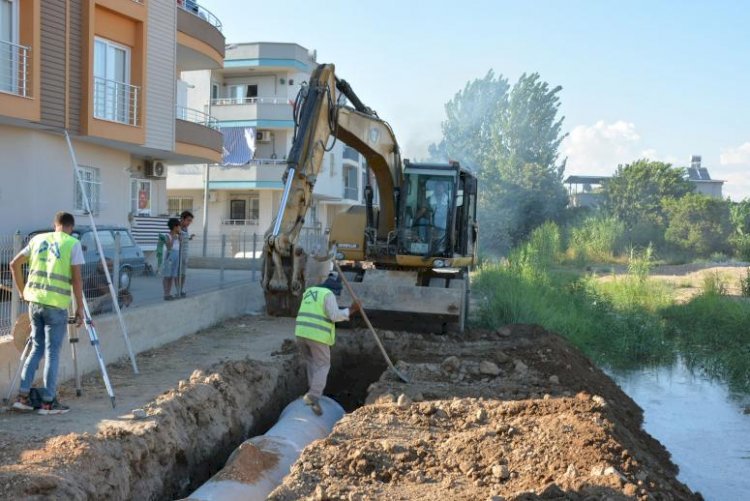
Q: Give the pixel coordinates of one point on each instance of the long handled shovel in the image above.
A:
(367, 321)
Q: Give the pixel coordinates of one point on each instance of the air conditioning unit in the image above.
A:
(155, 169)
(263, 136)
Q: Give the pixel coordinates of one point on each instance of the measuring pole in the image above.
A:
(115, 303)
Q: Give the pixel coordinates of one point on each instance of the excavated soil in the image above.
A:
(512, 414)
(516, 414)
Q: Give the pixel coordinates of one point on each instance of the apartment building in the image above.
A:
(105, 71)
(251, 99)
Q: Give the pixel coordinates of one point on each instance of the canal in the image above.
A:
(702, 423)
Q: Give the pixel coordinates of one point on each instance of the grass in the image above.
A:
(627, 322)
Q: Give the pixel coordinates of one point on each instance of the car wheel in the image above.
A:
(125, 274)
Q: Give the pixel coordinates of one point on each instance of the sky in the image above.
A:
(662, 80)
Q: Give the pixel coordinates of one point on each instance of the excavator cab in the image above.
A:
(438, 213)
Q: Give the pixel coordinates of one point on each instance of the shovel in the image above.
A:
(367, 321)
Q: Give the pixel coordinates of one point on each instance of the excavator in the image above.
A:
(409, 253)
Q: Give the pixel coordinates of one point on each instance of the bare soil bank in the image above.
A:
(517, 414)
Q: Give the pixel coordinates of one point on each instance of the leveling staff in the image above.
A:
(316, 333)
(55, 261)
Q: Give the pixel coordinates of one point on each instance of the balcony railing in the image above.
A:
(225, 101)
(116, 101)
(15, 66)
(257, 162)
(195, 116)
(240, 222)
(194, 8)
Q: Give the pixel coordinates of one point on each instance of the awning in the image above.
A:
(239, 145)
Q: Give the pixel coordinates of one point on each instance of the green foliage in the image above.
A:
(533, 259)
(710, 332)
(634, 194)
(745, 284)
(640, 263)
(698, 223)
(739, 216)
(713, 284)
(511, 137)
(597, 238)
(628, 322)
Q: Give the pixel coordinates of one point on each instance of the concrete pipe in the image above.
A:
(260, 464)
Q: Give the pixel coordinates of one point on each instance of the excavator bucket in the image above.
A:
(387, 292)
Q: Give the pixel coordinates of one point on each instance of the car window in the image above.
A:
(105, 237)
(125, 239)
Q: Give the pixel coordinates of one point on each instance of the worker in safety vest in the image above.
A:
(316, 333)
(55, 261)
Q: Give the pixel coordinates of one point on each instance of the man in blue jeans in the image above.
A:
(55, 261)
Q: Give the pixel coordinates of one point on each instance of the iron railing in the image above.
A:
(116, 101)
(240, 222)
(15, 67)
(226, 101)
(195, 116)
(198, 10)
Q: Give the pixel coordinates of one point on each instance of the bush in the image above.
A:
(597, 238)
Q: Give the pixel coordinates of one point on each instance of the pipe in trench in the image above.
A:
(260, 463)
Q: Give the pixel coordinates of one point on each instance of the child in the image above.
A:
(172, 257)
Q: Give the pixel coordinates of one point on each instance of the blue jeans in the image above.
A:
(48, 328)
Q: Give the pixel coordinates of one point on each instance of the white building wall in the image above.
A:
(161, 55)
(38, 180)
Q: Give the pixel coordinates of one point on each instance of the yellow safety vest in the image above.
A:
(312, 321)
(50, 275)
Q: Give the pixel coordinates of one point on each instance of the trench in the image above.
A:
(355, 365)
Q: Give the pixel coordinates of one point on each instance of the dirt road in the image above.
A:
(515, 414)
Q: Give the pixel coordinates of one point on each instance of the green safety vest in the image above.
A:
(312, 321)
(50, 274)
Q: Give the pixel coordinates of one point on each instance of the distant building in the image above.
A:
(251, 99)
(585, 191)
(700, 177)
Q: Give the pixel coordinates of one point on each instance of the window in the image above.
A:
(176, 205)
(237, 210)
(350, 183)
(214, 90)
(140, 197)
(8, 50)
(244, 210)
(252, 91)
(92, 189)
(113, 93)
(332, 163)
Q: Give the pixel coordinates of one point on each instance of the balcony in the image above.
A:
(196, 117)
(240, 222)
(262, 173)
(116, 101)
(197, 133)
(15, 69)
(274, 111)
(199, 38)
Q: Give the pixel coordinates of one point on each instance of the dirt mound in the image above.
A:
(516, 414)
(186, 437)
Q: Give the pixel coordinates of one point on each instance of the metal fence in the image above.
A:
(249, 245)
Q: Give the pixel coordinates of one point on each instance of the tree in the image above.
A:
(635, 192)
(739, 215)
(698, 223)
(510, 137)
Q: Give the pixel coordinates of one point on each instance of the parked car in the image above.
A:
(132, 260)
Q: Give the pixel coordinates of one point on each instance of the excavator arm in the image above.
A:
(318, 115)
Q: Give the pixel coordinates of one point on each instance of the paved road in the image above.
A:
(148, 289)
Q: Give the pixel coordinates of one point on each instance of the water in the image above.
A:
(701, 423)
